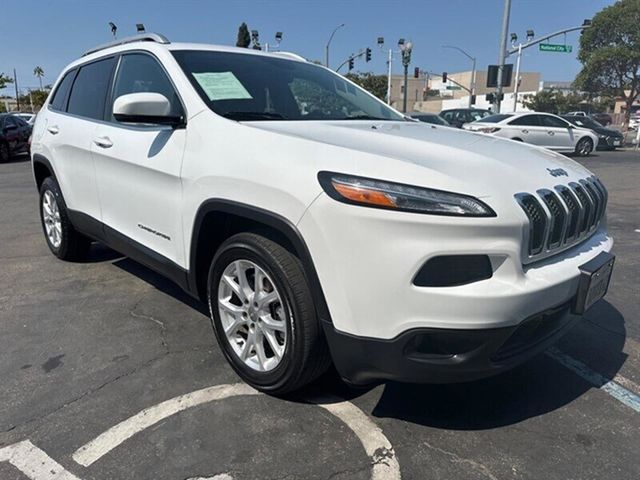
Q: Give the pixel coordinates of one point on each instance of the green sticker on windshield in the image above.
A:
(221, 86)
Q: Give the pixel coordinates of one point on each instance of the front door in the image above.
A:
(138, 166)
(558, 131)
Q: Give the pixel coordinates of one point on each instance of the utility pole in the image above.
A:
(15, 82)
(530, 43)
(389, 62)
(503, 52)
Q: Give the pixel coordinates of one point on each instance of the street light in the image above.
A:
(255, 39)
(405, 51)
(473, 68)
(326, 50)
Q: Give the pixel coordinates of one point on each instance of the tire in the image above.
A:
(584, 147)
(300, 353)
(5, 153)
(62, 239)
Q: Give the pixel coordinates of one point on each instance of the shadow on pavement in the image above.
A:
(539, 386)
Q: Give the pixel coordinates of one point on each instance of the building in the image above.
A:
(451, 95)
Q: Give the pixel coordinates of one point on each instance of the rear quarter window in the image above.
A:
(59, 97)
(89, 90)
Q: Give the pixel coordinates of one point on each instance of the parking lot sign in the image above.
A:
(553, 47)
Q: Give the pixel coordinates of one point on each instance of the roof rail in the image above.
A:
(142, 37)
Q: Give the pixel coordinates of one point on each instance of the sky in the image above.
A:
(52, 33)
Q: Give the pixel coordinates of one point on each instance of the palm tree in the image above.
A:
(39, 72)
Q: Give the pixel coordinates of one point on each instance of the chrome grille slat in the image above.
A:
(562, 217)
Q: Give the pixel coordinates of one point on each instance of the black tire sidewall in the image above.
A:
(5, 153)
(49, 184)
(286, 372)
(579, 149)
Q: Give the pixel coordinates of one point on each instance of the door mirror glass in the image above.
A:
(145, 107)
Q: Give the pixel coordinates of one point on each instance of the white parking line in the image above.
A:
(614, 389)
(384, 462)
(33, 462)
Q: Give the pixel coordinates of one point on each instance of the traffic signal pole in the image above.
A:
(531, 43)
(502, 54)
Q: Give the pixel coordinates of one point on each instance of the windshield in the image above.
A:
(478, 114)
(257, 87)
(585, 122)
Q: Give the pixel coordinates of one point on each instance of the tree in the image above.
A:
(37, 98)
(244, 38)
(4, 80)
(554, 101)
(39, 72)
(610, 54)
(374, 84)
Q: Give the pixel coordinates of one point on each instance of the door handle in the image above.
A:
(103, 142)
(53, 130)
(525, 131)
(551, 133)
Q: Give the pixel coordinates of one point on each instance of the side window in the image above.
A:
(447, 116)
(549, 121)
(10, 122)
(139, 72)
(20, 122)
(527, 120)
(89, 91)
(59, 98)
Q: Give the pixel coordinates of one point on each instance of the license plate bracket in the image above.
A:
(595, 276)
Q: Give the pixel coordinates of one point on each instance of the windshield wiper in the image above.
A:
(253, 116)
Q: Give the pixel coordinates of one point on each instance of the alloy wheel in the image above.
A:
(51, 218)
(253, 315)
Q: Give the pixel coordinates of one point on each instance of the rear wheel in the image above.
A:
(5, 154)
(263, 314)
(62, 239)
(584, 146)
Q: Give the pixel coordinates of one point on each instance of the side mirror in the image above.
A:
(145, 107)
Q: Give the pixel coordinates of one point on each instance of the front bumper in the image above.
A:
(431, 355)
(609, 143)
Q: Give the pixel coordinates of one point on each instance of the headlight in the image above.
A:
(602, 136)
(395, 196)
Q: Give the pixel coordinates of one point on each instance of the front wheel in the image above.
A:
(584, 147)
(263, 314)
(62, 239)
(5, 153)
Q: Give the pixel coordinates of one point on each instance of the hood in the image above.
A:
(441, 155)
(611, 132)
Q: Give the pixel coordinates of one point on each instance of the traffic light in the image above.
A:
(416, 72)
(367, 55)
(473, 99)
(351, 64)
(444, 77)
(490, 97)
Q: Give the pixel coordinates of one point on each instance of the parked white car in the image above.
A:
(340, 231)
(541, 129)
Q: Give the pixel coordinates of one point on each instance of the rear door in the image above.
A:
(559, 132)
(528, 129)
(70, 128)
(11, 133)
(138, 165)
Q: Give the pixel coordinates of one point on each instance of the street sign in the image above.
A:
(554, 47)
(453, 87)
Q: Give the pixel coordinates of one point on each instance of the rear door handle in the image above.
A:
(103, 142)
(53, 130)
(525, 131)
(551, 133)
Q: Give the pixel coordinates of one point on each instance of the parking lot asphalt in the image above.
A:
(87, 346)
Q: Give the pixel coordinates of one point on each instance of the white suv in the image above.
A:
(319, 224)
